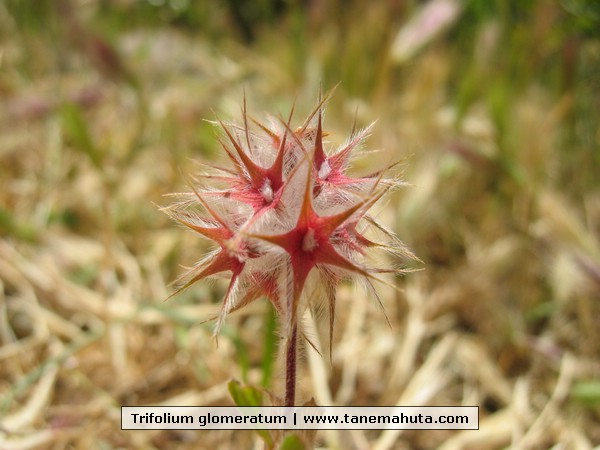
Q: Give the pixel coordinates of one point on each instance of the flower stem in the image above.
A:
(290, 367)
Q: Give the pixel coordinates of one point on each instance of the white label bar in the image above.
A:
(298, 418)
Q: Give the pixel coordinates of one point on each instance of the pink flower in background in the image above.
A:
(428, 22)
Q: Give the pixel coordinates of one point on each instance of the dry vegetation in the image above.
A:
(495, 120)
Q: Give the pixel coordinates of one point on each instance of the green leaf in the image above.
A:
(292, 442)
(245, 395)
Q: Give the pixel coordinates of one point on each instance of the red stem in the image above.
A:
(290, 368)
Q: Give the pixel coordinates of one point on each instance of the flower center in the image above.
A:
(324, 170)
(309, 243)
(236, 249)
(267, 191)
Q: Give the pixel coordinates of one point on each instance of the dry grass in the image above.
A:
(504, 315)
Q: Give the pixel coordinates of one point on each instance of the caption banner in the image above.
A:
(297, 418)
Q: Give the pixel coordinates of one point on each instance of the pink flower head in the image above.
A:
(286, 208)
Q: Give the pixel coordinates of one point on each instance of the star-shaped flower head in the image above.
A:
(286, 208)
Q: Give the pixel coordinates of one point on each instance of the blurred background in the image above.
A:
(492, 107)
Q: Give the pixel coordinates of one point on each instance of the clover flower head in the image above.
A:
(283, 211)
